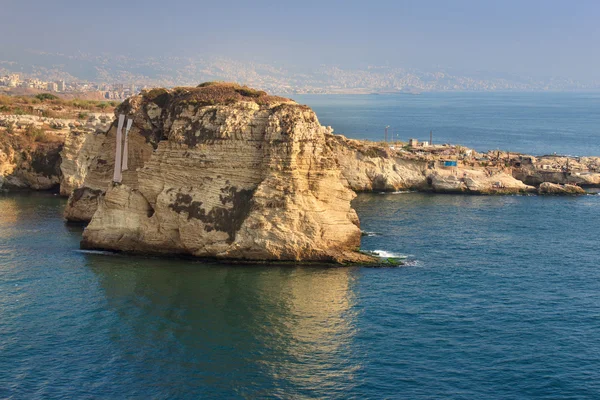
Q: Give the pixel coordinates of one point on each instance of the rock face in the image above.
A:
(475, 182)
(553, 188)
(561, 170)
(368, 167)
(88, 164)
(26, 164)
(236, 174)
(79, 149)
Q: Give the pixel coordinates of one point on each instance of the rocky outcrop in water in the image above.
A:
(553, 188)
(234, 174)
(368, 166)
(88, 164)
(475, 182)
(582, 171)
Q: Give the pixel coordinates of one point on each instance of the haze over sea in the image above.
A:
(500, 297)
(531, 123)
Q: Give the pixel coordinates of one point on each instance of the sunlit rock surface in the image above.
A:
(235, 174)
(28, 165)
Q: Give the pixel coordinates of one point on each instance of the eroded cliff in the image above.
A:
(368, 166)
(228, 172)
(88, 164)
(28, 164)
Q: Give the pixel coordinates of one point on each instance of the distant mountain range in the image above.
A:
(182, 71)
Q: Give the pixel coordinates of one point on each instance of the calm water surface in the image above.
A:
(500, 300)
(531, 123)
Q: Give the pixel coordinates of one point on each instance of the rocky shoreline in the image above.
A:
(224, 171)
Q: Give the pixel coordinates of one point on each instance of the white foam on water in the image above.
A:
(367, 233)
(102, 252)
(399, 192)
(412, 263)
(388, 254)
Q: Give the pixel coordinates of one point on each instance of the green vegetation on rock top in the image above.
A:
(211, 93)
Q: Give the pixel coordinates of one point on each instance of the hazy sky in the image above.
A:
(539, 38)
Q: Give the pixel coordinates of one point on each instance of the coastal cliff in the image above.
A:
(228, 172)
(35, 140)
(27, 163)
(236, 174)
(368, 166)
(88, 164)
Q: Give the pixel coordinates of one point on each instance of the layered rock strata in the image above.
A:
(368, 166)
(554, 188)
(26, 164)
(88, 165)
(236, 174)
(583, 171)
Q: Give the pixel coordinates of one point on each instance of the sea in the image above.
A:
(498, 297)
(530, 123)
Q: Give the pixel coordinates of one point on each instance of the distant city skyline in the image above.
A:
(478, 40)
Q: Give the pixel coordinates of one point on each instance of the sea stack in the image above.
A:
(234, 174)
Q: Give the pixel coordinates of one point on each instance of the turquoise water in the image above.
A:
(532, 123)
(500, 300)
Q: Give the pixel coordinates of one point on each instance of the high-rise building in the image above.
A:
(62, 86)
(52, 87)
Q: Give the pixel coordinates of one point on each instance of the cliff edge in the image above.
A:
(232, 173)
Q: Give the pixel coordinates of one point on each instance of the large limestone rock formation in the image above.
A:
(368, 167)
(236, 174)
(88, 164)
(583, 171)
(79, 150)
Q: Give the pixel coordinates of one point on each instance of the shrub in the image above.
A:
(36, 134)
(158, 96)
(49, 114)
(19, 111)
(46, 96)
(248, 92)
(10, 128)
(205, 84)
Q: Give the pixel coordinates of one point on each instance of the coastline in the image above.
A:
(222, 171)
